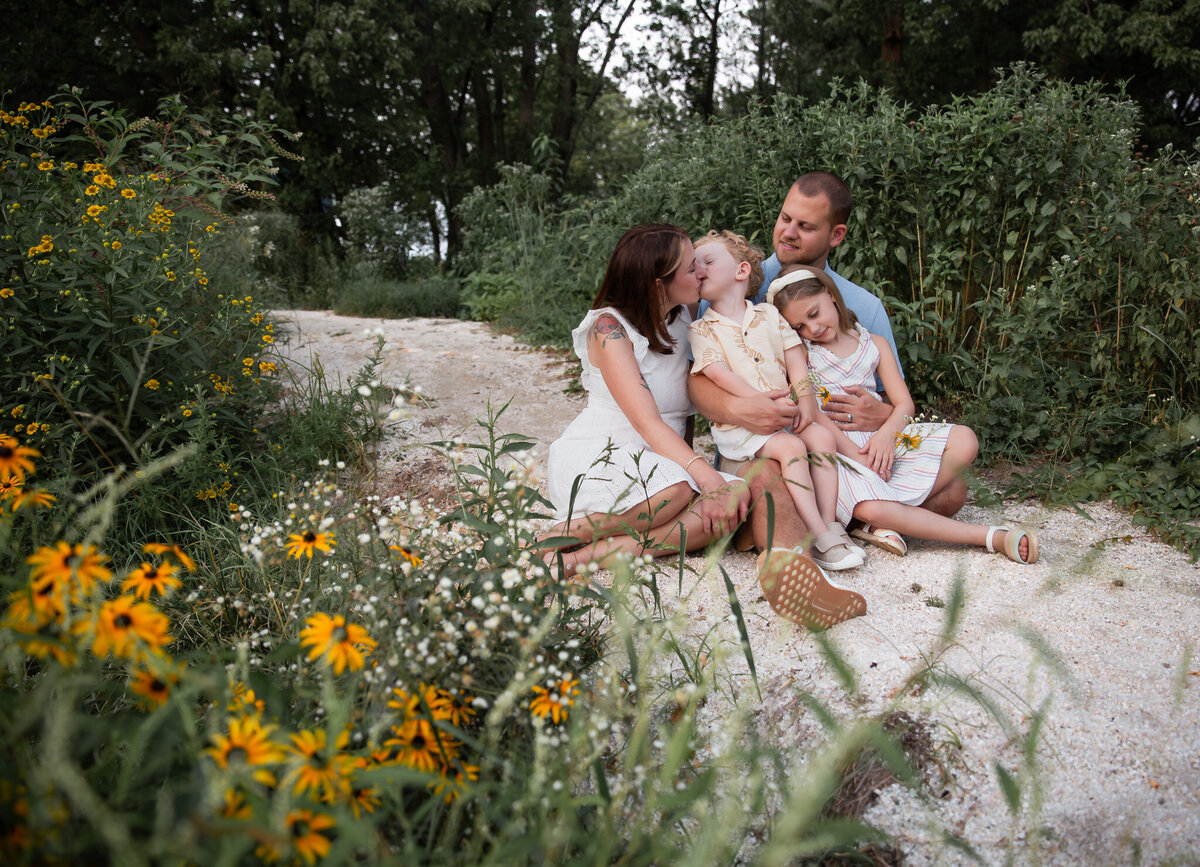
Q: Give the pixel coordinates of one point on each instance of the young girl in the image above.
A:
(903, 464)
(622, 478)
(747, 348)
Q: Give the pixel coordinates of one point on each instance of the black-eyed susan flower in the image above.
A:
(344, 645)
(554, 702)
(235, 805)
(908, 441)
(303, 544)
(153, 686)
(174, 551)
(427, 701)
(326, 772)
(454, 781)
(419, 745)
(123, 626)
(405, 555)
(304, 829)
(15, 459)
(457, 707)
(38, 630)
(128, 193)
(38, 498)
(247, 745)
(63, 564)
(244, 700)
(9, 488)
(148, 578)
(364, 799)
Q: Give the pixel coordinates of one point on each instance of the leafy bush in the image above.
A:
(1042, 275)
(527, 267)
(117, 346)
(372, 295)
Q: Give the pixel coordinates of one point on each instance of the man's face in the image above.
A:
(805, 231)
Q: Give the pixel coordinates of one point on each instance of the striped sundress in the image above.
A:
(914, 469)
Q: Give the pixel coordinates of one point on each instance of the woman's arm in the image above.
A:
(611, 352)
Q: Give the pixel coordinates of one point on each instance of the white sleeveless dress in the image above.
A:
(616, 466)
(913, 471)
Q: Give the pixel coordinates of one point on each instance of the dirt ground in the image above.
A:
(1101, 635)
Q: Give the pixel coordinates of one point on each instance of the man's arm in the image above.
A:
(762, 413)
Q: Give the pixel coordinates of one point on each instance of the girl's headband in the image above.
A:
(788, 279)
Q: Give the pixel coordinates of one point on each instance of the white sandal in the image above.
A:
(881, 537)
(1012, 544)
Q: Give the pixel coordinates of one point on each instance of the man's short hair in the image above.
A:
(834, 188)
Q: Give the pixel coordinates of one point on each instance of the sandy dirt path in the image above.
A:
(1103, 633)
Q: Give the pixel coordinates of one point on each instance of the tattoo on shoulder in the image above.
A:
(606, 328)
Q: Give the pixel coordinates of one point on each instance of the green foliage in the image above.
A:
(529, 267)
(128, 332)
(405, 687)
(370, 294)
(1041, 275)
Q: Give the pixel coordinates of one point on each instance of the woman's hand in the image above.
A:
(723, 505)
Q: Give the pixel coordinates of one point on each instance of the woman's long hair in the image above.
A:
(644, 256)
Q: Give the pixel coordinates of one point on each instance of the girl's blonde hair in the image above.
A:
(743, 251)
(805, 282)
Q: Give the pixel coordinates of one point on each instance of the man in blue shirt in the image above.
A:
(811, 222)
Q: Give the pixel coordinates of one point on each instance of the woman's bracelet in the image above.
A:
(692, 461)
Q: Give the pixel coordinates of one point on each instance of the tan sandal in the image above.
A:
(1011, 548)
(881, 537)
(796, 588)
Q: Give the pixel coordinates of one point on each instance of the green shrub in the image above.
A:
(368, 294)
(116, 344)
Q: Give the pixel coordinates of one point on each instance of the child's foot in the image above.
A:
(1019, 545)
(832, 552)
(881, 537)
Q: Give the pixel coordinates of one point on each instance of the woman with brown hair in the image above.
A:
(622, 478)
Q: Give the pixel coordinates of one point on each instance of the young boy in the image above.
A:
(747, 348)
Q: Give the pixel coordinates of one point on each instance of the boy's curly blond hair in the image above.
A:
(743, 251)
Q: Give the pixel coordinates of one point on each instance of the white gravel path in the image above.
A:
(1103, 632)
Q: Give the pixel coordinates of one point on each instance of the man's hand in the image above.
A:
(767, 412)
(858, 410)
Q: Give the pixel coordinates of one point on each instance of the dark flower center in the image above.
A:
(300, 829)
(6, 452)
(237, 754)
(339, 634)
(418, 742)
(123, 621)
(310, 537)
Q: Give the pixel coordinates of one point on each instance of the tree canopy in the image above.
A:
(425, 99)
